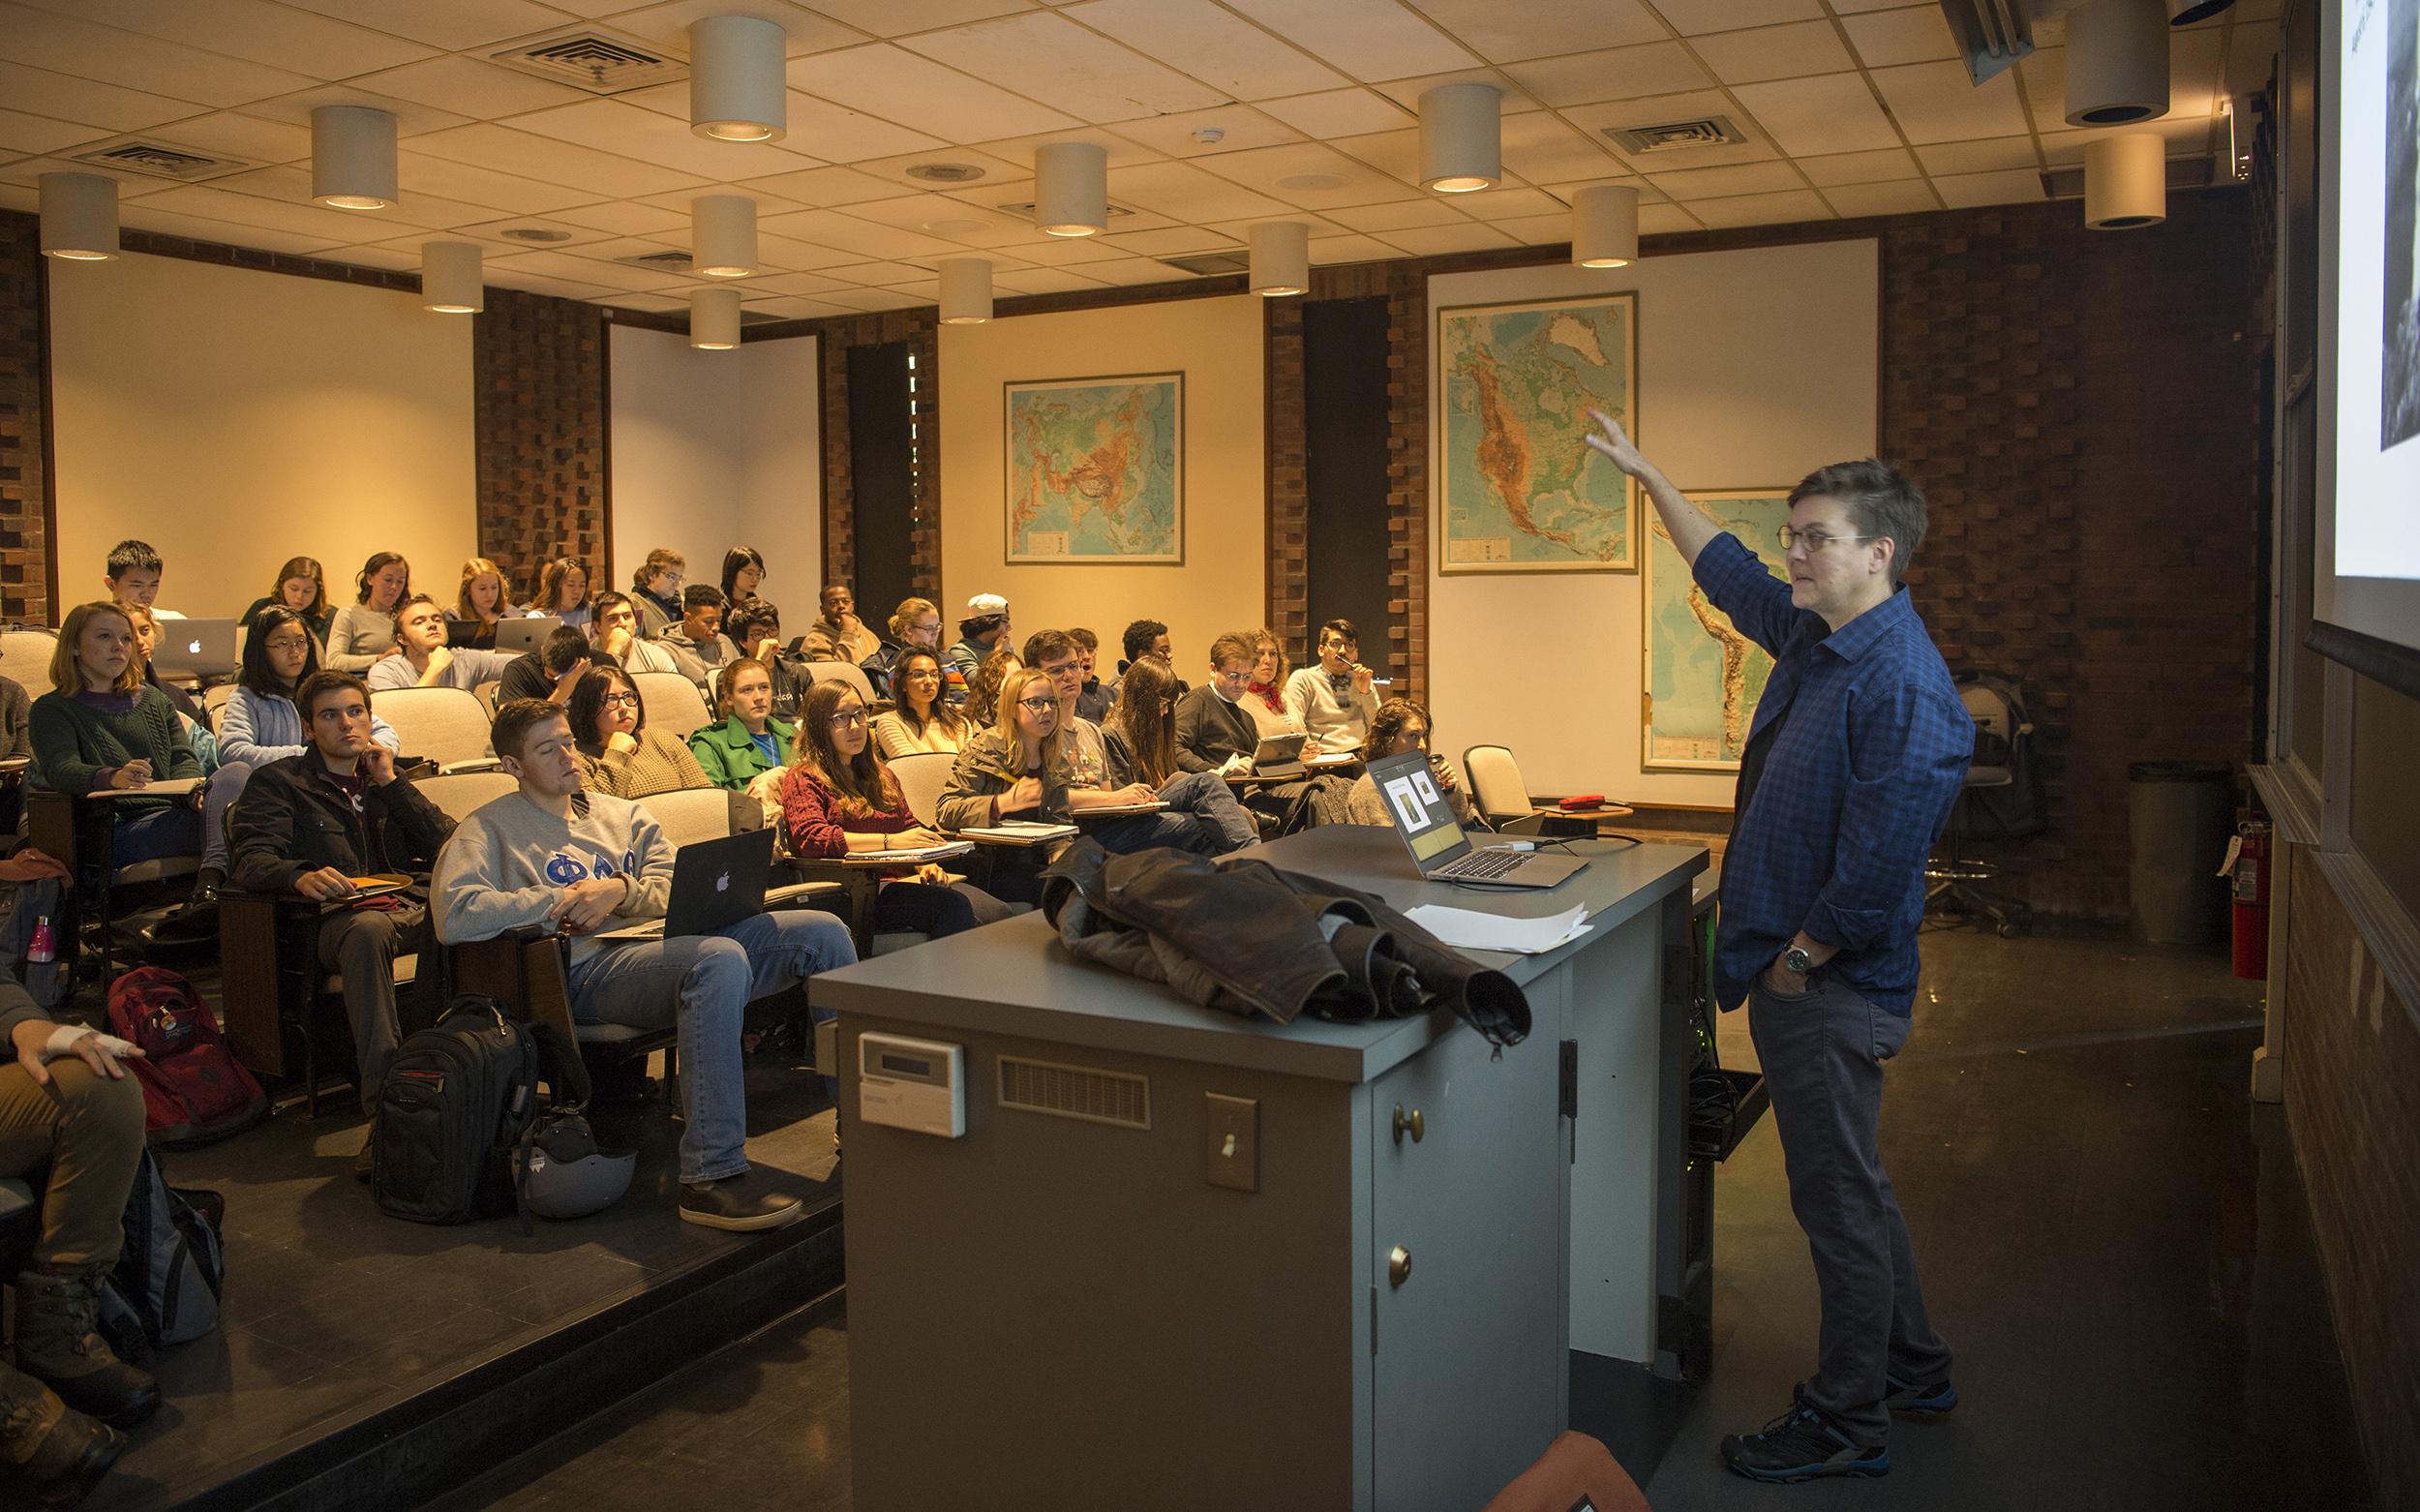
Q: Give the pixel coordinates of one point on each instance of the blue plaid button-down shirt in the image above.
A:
(1869, 744)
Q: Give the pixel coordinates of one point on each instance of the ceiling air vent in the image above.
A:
(669, 260)
(594, 61)
(2067, 183)
(150, 158)
(1212, 263)
(1710, 131)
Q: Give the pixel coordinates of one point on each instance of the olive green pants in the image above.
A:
(86, 1132)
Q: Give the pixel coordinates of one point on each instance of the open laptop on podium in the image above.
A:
(1424, 817)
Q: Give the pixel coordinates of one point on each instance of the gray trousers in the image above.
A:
(1823, 1052)
(361, 948)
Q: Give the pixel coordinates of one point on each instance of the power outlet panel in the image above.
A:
(1232, 1145)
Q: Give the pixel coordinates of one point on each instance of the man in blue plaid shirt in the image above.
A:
(1858, 747)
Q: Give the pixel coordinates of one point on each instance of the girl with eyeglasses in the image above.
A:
(619, 754)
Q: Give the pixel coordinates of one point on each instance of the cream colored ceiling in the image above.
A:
(1852, 108)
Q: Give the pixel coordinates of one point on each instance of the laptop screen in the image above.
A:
(1413, 801)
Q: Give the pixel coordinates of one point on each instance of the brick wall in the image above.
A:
(539, 384)
(836, 337)
(1284, 446)
(24, 512)
(2353, 1104)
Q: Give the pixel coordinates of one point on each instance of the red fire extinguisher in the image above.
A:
(2247, 866)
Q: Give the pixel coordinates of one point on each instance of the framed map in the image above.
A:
(1096, 469)
(1519, 490)
(1703, 678)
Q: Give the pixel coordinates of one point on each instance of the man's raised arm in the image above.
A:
(1685, 521)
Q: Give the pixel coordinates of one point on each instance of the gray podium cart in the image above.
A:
(1178, 1259)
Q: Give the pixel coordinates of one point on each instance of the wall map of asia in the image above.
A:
(1520, 491)
(1096, 469)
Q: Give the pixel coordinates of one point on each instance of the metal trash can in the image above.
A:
(2179, 814)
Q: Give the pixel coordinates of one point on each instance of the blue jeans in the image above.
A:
(703, 984)
(155, 834)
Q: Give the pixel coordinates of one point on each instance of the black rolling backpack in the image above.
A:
(457, 1098)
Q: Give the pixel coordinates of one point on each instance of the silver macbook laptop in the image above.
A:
(714, 884)
(1425, 818)
(195, 647)
(1279, 756)
(513, 637)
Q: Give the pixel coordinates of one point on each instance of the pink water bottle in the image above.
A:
(44, 949)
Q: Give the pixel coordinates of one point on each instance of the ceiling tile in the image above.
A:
(1133, 270)
(425, 175)
(471, 88)
(1537, 230)
(1491, 205)
(70, 44)
(1211, 43)
(1059, 63)
(1542, 149)
(950, 220)
(1065, 252)
(1039, 281)
(1989, 155)
(1504, 33)
(876, 274)
(1917, 35)
(1188, 193)
(585, 270)
(1763, 209)
(1240, 231)
(2045, 72)
(20, 133)
(451, 24)
(554, 162)
(1690, 17)
(623, 218)
(1308, 174)
(1850, 6)
(1959, 190)
(897, 17)
(393, 258)
(64, 98)
(1239, 128)
(1396, 154)
(1859, 167)
(914, 91)
(651, 304)
(239, 136)
(1745, 178)
(261, 33)
(304, 219)
(1904, 197)
(2251, 55)
(1789, 51)
(2194, 56)
(631, 132)
(1618, 74)
(1370, 39)
(797, 256)
(822, 187)
(1665, 221)
(869, 300)
(1172, 241)
(1121, 149)
(1407, 92)
(847, 234)
(795, 284)
(1427, 210)
(898, 168)
(666, 26)
(1936, 102)
(142, 215)
(1340, 113)
(412, 118)
(1430, 241)
(492, 233)
(1831, 113)
(290, 184)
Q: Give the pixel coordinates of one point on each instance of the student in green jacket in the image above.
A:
(749, 741)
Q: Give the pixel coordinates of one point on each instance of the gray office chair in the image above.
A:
(1994, 787)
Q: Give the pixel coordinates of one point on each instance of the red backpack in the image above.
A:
(194, 1090)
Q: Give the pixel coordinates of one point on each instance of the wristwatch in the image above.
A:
(1796, 961)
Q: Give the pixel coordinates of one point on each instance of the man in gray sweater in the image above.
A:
(557, 856)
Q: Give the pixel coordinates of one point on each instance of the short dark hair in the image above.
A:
(1048, 645)
(567, 646)
(1879, 500)
(697, 595)
(320, 684)
(745, 615)
(128, 556)
(510, 733)
(1084, 638)
(1344, 629)
(606, 603)
(588, 701)
(1139, 635)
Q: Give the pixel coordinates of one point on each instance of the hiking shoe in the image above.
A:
(1801, 1444)
(59, 1344)
(743, 1203)
(50, 1455)
(1917, 1401)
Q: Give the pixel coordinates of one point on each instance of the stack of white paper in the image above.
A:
(1469, 929)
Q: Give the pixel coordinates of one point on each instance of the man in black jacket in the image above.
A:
(309, 825)
(1215, 732)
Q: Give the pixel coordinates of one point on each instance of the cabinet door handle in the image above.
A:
(1417, 1125)
(1399, 1266)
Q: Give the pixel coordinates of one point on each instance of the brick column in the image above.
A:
(539, 376)
(25, 567)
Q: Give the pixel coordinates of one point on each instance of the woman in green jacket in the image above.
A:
(749, 741)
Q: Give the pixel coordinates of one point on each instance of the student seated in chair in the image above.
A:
(364, 630)
(1142, 638)
(71, 1118)
(750, 740)
(925, 720)
(698, 643)
(562, 592)
(421, 659)
(754, 626)
(982, 690)
(615, 633)
(260, 724)
(1399, 727)
(839, 635)
(310, 825)
(1093, 702)
(559, 856)
(619, 754)
(301, 586)
(101, 728)
(1264, 696)
(744, 573)
(983, 630)
(133, 577)
(189, 713)
(480, 603)
(840, 800)
(1139, 745)
(655, 591)
(1334, 700)
(550, 672)
(1214, 733)
(915, 626)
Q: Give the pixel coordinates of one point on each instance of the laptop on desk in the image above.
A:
(195, 647)
(714, 884)
(1424, 817)
(529, 633)
(1279, 756)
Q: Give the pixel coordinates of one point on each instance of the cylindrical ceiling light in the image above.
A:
(737, 91)
(1281, 257)
(1605, 226)
(714, 319)
(2126, 181)
(352, 158)
(79, 217)
(2185, 12)
(1072, 189)
(2117, 62)
(965, 291)
(722, 235)
(450, 278)
(1461, 139)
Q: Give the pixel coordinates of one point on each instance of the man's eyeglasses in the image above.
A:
(1038, 705)
(1813, 541)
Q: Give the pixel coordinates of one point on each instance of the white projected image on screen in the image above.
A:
(2398, 407)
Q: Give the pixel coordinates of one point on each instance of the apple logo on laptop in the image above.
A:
(192, 648)
(722, 883)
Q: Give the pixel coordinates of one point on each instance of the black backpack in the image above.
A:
(457, 1098)
(166, 1286)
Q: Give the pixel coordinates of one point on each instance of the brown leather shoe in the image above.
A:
(59, 1344)
(49, 1453)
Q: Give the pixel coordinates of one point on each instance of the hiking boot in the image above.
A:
(59, 1344)
(744, 1202)
(1920, 1400)
(1801, 1444)
(48, 1449)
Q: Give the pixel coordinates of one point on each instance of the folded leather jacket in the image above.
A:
(1246, 937)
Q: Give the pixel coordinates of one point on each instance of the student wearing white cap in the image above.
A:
(985, 626)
